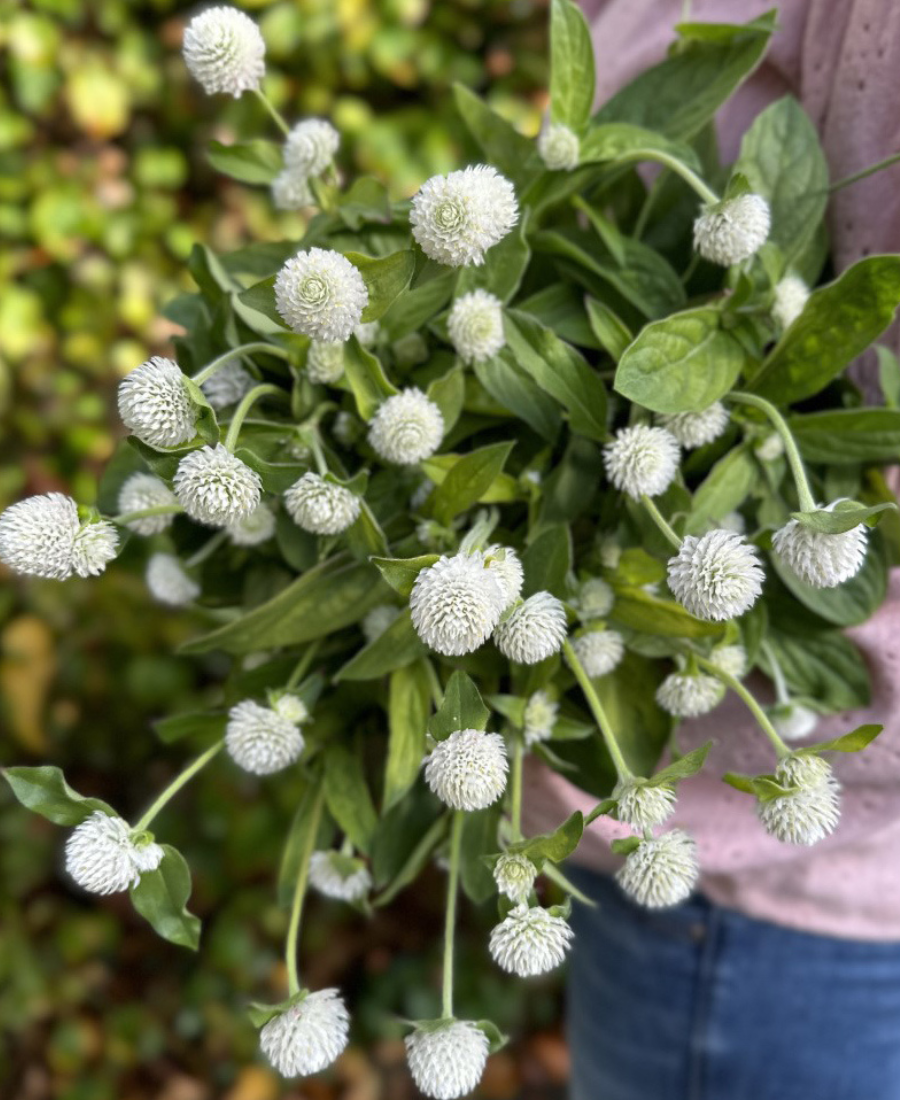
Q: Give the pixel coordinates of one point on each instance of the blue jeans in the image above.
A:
(702, 1003)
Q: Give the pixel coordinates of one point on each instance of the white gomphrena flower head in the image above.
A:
(811, 812)
(260, 740)
(694, 429)
(514, 875)
(468, 769)
(662, 871)
(310, 146)
(290, 707)
(456, 218)
(406, 428)
(793, 721)
(610, 553)
(339, 876)
(254, 529)
(346, 428)
(539, 718)
(140, 491)
(325, 361)
(733, 521)
(320, 507)
(104, 855)
(447, 1058)
(155, 405)
(820, 559)
(769, 448)
(227, 386)
(95, 546)
(717, 576)
(475, 326)
(731, 659)
(376, 621)
(37, 536)
(225, 52)
(367, 332)
(791, 295)
(168, 582)
(642, 460)
(732, 231)
(506, 566)
(594, 600)
(530, 941)
(642, 806)
(533, 631)
(558, 146)
(216, 488)
(599, 651)
(687, 696)
(291, 190)
(456, 603)
(320, 294)
(307, 1037)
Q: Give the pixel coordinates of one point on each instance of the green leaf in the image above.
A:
(161, 899)
(366, 200)
(401, 573)
(621, 141)
(409, 870)
(496, 1039)
(45, 791)
(845, 515)
(503, 267)
(409, 704)
(848, 436)
(196, 724)
(479, 839)
(625, 845)
(448, 392)
(206, 423)
(275, 476)
(743, 783)
(503, 146)
(247, 161)
(613, 334)
(260, 1014)
(512, 388)
(261, 299)
(725, 488)
(825, 666)
(347, 795)
(682, 768)
(396, 648)
(555, 846)
(366, 377)
(300, 841)
(571, 66)
(417, 306)
(854, 741)
(462, 709)
(468, 480)
(385, 277)
(547, 561)
(889, 376)
(641, 611)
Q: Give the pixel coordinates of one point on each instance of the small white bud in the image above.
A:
(687, 696)
(325, 361)
(406, 428)
(514, 876)
(533, 631)
(809, 814)
(291, 708)
(367, 332)
(310, 147)
(227, 386)
(291, 190)
(215, 488)
(447, 1060)
(539, 718)
(820, 559)
(731, 659)
(662, 871)
(339, 876)
(307, 1037)
(594, 600)
(642, 806)
(456, 603)
(225, 52)
(770, 448)
(733, 521)
(320, 507)
(642, 460)
(793, 721)
(376, 621)
(167, 581)
(456, 218)
(530, 941)
(599, 651)
(320, 294)
(558, 146)
(155, 405)
(791, 295)
(260, 740)
(467, 770)
(694, 429)
(729, 232)
(475, 326)
(105, 856)
(252, 530)
(140, 491)
(716, 576)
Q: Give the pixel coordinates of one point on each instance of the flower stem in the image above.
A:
(452, 890)
(315, 445)
(437, 692)
(290, 947)
(782, 695)
(303, 664)
(273, 110)
(807, 501)
(861, 175)
(234, 428)
(517, 762)
(755, 709)
(234, 353)
(678, 167)
(177, 783)
(142, 513)
(207, 549)
(609, 737)
(660, 521)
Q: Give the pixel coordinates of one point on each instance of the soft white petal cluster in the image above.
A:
(140, 491)
(793, 721)
(731, 659)
(447, 1061)
(325, 361)
(810, 813)
(320, 507)
(406, 428)
(729, 232)
(642, 806)
(320, 294)
(599, 651)
(558, 146)
(155, 405)
(687, 696)
(331, 874)
(506, 566)
(594, 600)
(533, 631)
(456, 603)
(791, 295)
(662, 871)
(224, 51)
(467, 770)
(642, 460)
(216, 488)
(168, 582)
(376, 621)
(456, 218)
(104, 856)
(227, 386)
(514, 875)
(307, 1037)
(310, 146)
(260, 740)
(42, 536)
(95, 546)
(717, 576)
(475, 326)
(820, 559)
(694, 429)
(530, 941)
(291, 190)
(367, 332)
(539, 718)
(253, 529)
(769, 448)
(291, 708)
(733, 521)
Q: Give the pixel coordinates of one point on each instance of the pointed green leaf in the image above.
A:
(409, 704)
(45, 791)
(300, 841)
(844, 516)
(366, 377)
(161, 898)
(468, 480)
(247, 161)
(401, 573)
(855, 741)
(347, 795)
(386, 277)
(682, 768)
(462, 709)
(555, 846)
(571, 66)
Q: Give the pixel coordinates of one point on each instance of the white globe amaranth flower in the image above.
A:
(105, 856)
(155, 405)
(376, 621)
(810, 813)
(260, 740)
(733, 521)
(642, 460)
(325, 361)
(731, 659)
(291, 190)
(475, 326)
(694, 429)
(456, 218)
(533, 631)
(732, 231)
(467, 770)
(594, 600)
(769, 448)
(167, 581)
(687, 696)
(506, 566)
(558, 146)
(539, 718)
(227, 386)
(307, 1037)
(320, 507)
(610, 553)
(94, 547)
(37, 536)
(662, 871)
(320, 294)
(717, 576)
(225, 52)
(514, 875)
(793, 721)
(530, 941)
(447, 1059)
(253, 529)
(599, 651)
(290, 707)
(216, 488)
(141, 491)
(642, 806)
(339, 876)
(367, 332)
(310, 146)
(791, 295)
(407, 428)
(456, 603)
(819, 559)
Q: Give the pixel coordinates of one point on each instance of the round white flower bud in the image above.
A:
(216, 488)
(254, 529)
(307, 1037)
(599, 651)
(260, 740)
(320, 507)
(595, 599)
(731, 659)
(662, 871)
(810, 813)
(770, 448)
(320, 294)
(291, 190)
(37, 536)
(610, 553)
(506, 566)
(558, 146)
(733, 521)
(367, 332)
(105, 856)
(539, 718)
(376, 622)
(793, 721)
(456, 218)
(406, 428)
(456, 603)
(791, 295)
(310, 146)
(467, 770)
(325, 361)
(346, 428)
(227, 386)
(819, 559)
(729, 232)
(530, 941)
(533, 631)
(339, 876)
(291, 708)
(155, 405)
(475, 326)
(225, 52)
(643, 807)
(447, 1060)
(514, 875)
(716, 576)
(642, 460)
(168, 582)
(140, 491)
(688, 696)
(695, 429)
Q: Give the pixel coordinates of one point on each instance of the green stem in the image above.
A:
(555, 875)
(437, 692)
(450, 927)
(609, 737)
(660, 521)
(207, 549)
(234, 428)
(807, 501)
(290, 947)
(691, 178)
(177, 783)
(303, 664)
(234, 353)
(416, 860)
(142, 513)
(755, 709)
(870, 171)
(782, 695)
(273, 110)
(518, 760)
(315, 445)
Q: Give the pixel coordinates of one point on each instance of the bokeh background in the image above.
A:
(104, 188)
